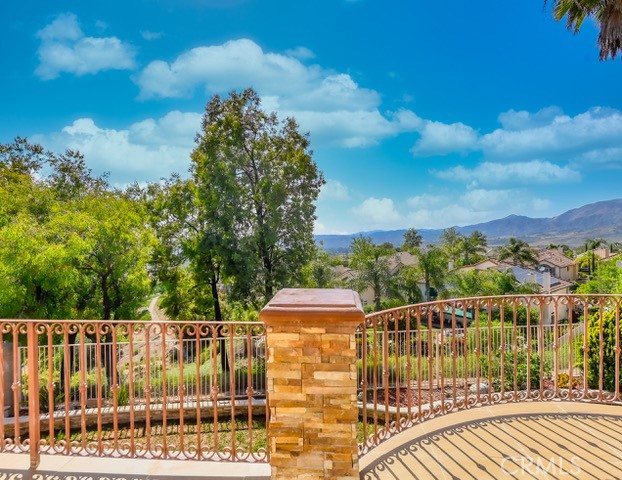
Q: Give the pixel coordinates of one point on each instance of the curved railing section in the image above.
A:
(165, 390)
(422, 361)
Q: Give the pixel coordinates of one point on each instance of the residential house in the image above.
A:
(558, 265)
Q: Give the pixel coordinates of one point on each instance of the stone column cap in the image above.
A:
(326, 304)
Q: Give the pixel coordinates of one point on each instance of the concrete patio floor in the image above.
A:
(60, 467)
(543, 440)
(547, 440)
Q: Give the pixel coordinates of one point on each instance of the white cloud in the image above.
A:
(610, 158)
(523, 120)
(146, 151)
(239, 63)
(334, 190)
(349, 128)
(302, 53)
(472, 207)
(65, 48)
(175, 128)
(425, 201)
(381, 212)
(540, 205)
(331, 105)
(440, 139)
(535, 171)
(445, 216)
(149, 36)
(482, 199)
(549, 132)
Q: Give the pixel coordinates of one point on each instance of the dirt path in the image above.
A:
(156, 313)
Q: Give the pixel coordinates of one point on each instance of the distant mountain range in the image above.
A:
(596, 220)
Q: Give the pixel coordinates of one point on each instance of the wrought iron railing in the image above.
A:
(421, 361)
(134, 389)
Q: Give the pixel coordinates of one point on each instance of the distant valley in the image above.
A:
(596, 220)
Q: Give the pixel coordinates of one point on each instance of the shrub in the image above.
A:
(609, 344)
(522, 367)
(563, 380)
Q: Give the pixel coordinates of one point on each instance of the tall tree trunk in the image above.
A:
(222, 344)
(106, 349)
(71, 339)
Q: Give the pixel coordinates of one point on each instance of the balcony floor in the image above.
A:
(561, 440)
(15, 467)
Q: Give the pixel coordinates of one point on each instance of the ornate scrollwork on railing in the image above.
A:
(422, 361)
(139, 389)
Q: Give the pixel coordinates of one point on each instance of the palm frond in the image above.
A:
(610, 36)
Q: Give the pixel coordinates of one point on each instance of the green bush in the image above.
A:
(522, 367)
(609, 344)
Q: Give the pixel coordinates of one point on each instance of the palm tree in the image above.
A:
(451, 240)
(473, 247)
(433, 268)
(607, 13)
(518, 252)
(372, 268)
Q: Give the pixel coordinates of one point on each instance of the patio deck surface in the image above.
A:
(544, 440)
(60, 467)
(548, 440)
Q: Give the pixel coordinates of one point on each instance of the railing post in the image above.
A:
(311, 372)
(34, 427)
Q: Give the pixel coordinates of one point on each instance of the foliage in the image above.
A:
(70, 247)
(609, 334)
(451, 242)
(607, 15)
(255, 187)
(526, 365)
(485, 283)
(407, 284)
(563, 381)
(473, 247)
(318, 272)
(518, 252)
(588, 260)
(188, 260)
(464, 249)
(433, 268)
(372, 268)
(412, 239)
(606, 279)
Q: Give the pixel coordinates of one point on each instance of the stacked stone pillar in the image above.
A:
(311, 372)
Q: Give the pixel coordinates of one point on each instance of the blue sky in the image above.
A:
(421, 114)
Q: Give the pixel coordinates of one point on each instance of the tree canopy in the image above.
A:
(70, 246)
(372, 268)
(244, 220)
(518, 252)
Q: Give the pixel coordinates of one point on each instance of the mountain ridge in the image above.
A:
(601, 219)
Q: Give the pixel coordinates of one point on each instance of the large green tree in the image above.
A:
(70, 246)
(606, 13)
(412, 239)
(189, 257)
(255, 186)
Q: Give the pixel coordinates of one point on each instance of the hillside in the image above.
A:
(596, 220)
